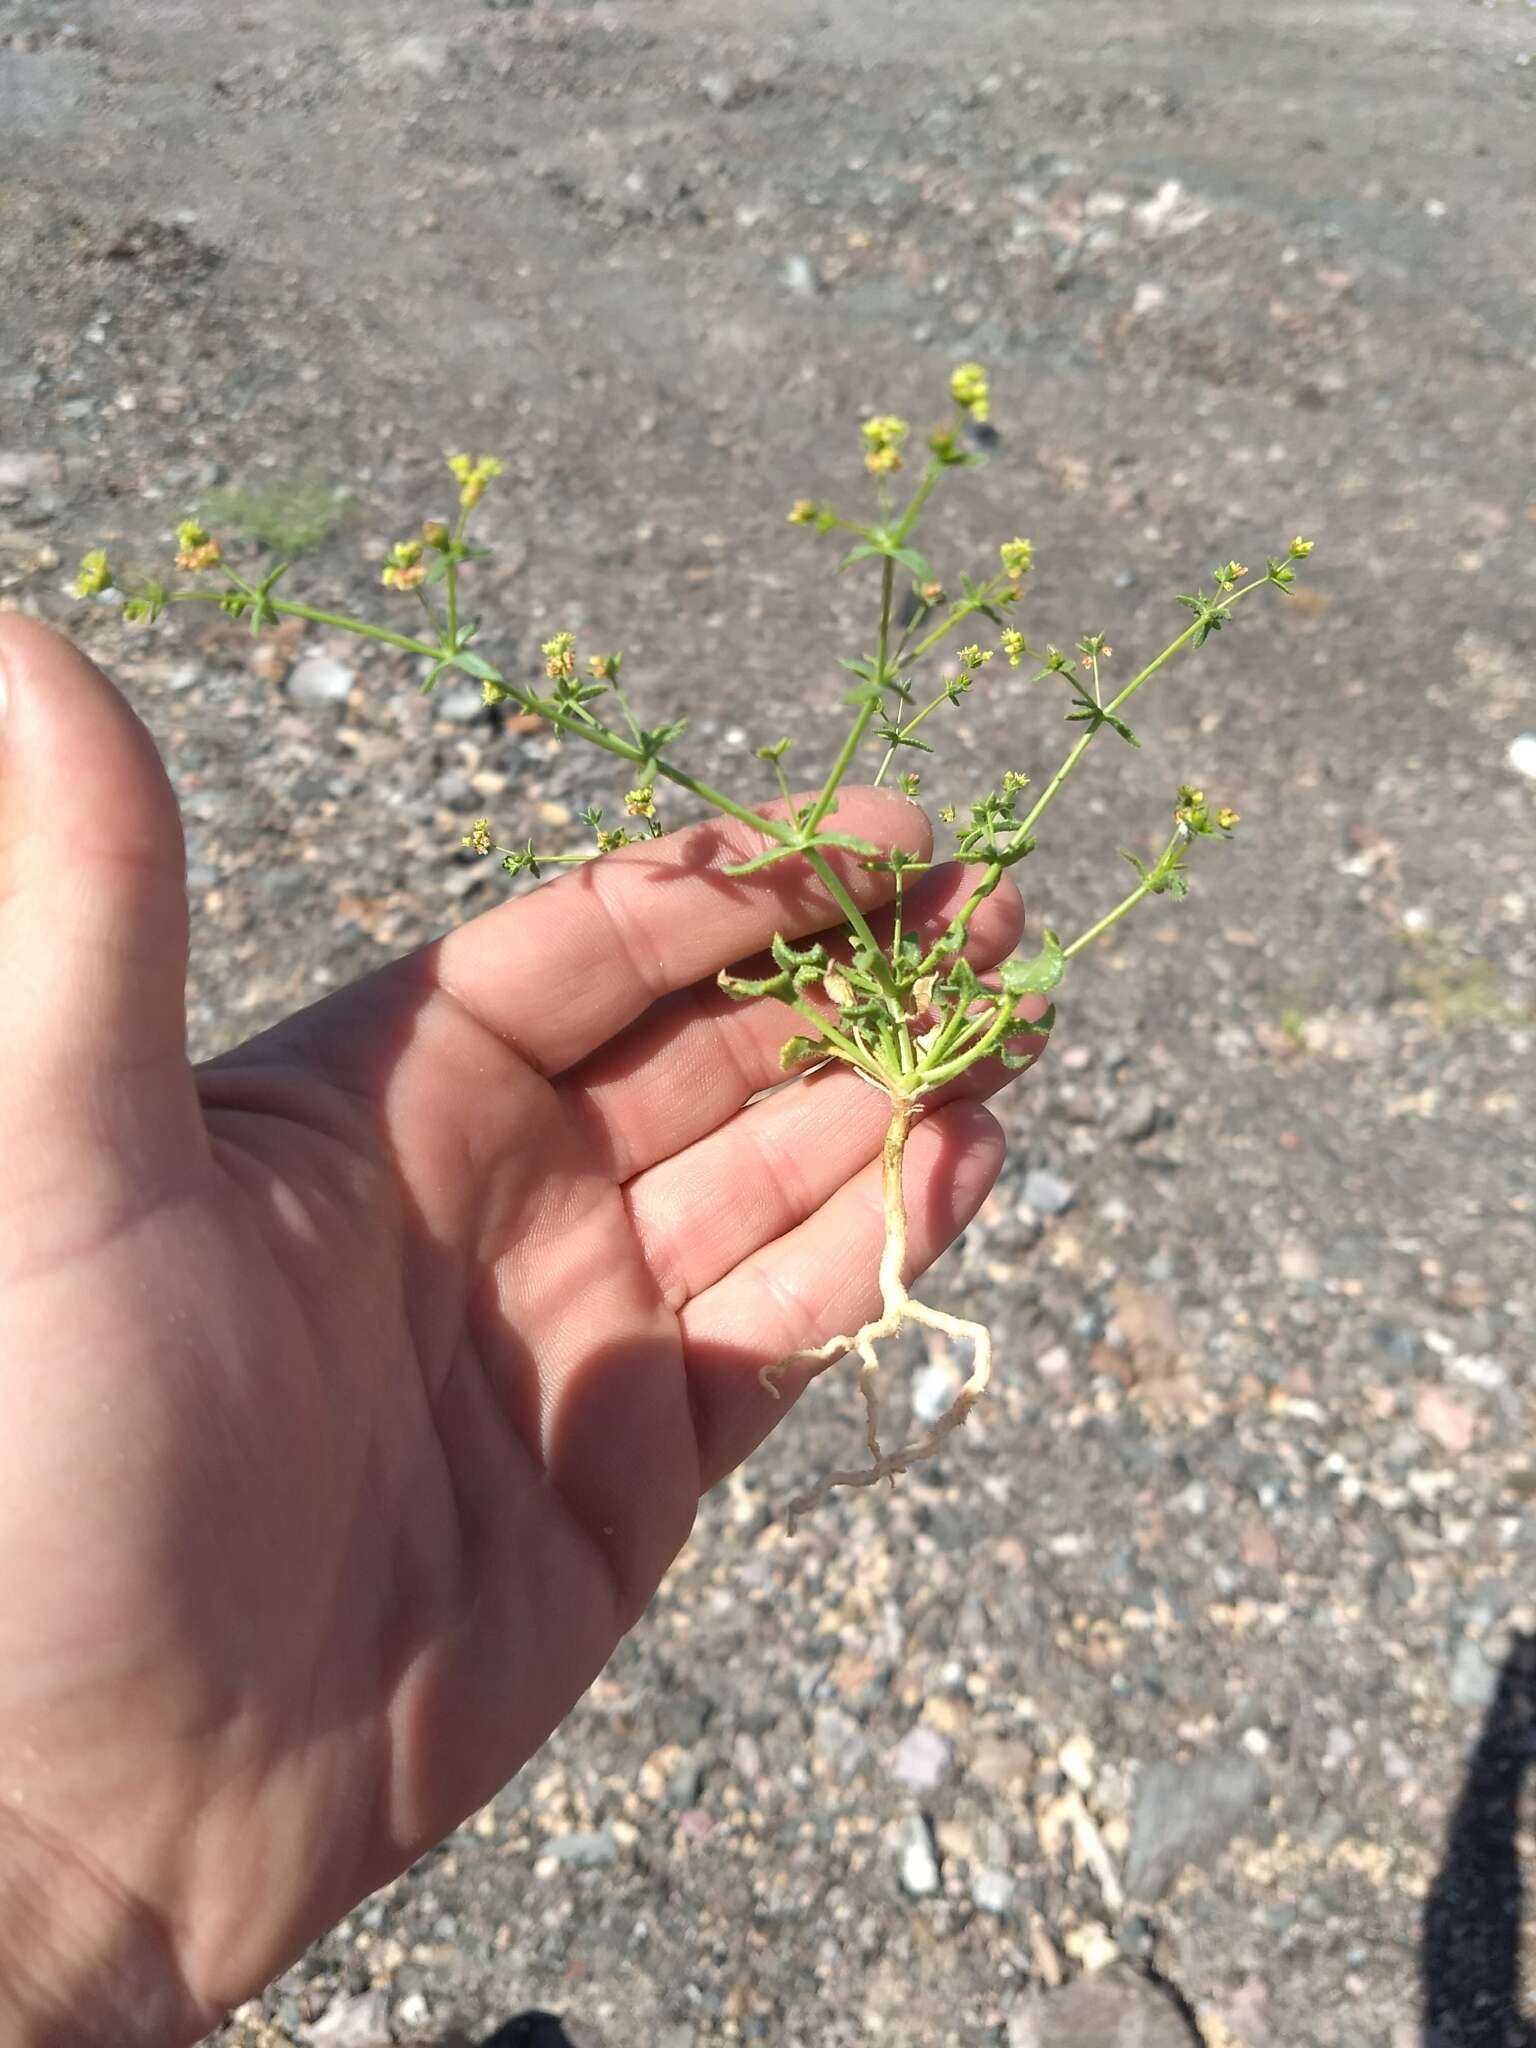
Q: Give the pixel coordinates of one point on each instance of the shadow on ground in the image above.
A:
(530, 2030)
(1471, 1936)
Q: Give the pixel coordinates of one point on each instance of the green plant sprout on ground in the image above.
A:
(906, 1016)
(283, 516)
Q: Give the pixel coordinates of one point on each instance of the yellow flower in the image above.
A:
(472, 473)
(195, 548)
(478, 837)
(883, 429)
(1018, 557)
(1013, 645)
(1300, 548)
(973, 657)
(559, 660)
(883, 433)
(1226, 818)
(405, 568)
(968, 387)
(436, 535)
(641, 802)
(802, 512)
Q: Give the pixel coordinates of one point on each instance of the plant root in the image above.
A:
(898, 1308)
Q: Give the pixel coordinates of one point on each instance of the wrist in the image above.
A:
(82, 1964)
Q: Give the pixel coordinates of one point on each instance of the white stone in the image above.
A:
(919, 1865)
(321, 679)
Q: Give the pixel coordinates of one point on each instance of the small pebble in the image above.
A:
(1047, 1193)
(919, 1864)
(584, 1851)
(992, 1891)
(361, 2022)
(459, 704)
(800, 277)
(933, 1388)
(1474, 1680)
(1135, 1117)
(922, 1759)
(321, 679)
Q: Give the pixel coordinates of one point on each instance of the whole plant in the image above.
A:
(907, 1013)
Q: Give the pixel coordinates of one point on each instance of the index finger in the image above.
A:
(557, 973)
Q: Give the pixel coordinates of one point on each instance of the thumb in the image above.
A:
(93, 914)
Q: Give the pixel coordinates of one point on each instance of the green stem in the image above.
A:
(855, 917)
(998, 1032)
(960, 613)
(961, 1031)
(867, 710)
(956, 1026)
(361, 627)
(836, 1042)
(1114, 704)
(961, 922)
(1145, 887)
(919, 498)
(906, 730)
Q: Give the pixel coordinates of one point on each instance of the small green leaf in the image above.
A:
(797, 1052)
(807, 956)
(1035, 977)
(961, 983)
(909, 558)
(845, 840)
(762, 860)
(475, 665)
(779, 985)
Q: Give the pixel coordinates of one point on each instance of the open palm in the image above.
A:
(357, 1389)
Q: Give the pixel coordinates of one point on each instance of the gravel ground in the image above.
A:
(1191, 1695)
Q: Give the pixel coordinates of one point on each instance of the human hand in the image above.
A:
(357, 1388)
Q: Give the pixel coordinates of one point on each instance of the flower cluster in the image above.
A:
(1194, 816)
(405, 570)
(970, 389)
(472, 473)
(195, 547)
(883, 436)
(1018, 558)
(559, 657)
